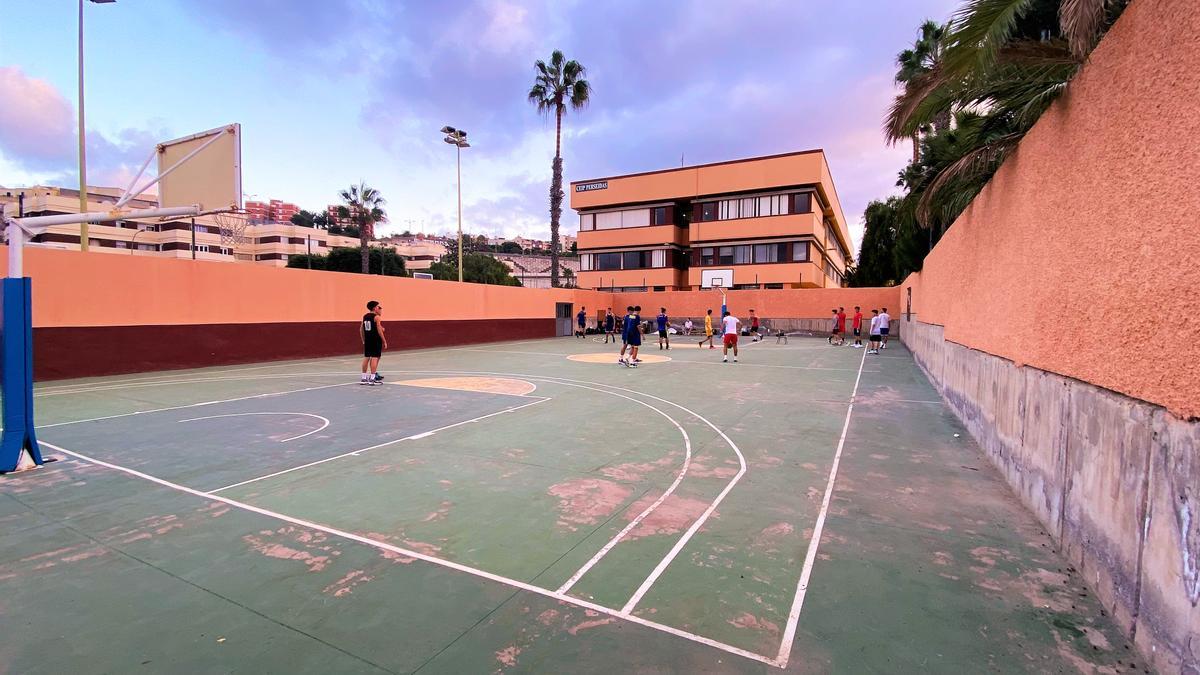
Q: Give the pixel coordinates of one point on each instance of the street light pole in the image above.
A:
(458, 138)
(458, 152)
(83, 227)
(83, 207)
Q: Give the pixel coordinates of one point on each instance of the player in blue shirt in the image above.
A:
(633, 335)
(662, 322)
(581, 320)
(625, 333)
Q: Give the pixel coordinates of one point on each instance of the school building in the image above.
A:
(763, 222)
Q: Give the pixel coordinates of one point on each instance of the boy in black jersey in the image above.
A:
(370, 331)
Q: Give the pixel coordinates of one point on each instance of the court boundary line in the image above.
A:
(810, 557)
(521, 585)
(356, 453)
(793, 618)
(244, 414)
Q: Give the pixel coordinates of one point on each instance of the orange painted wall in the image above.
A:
(807, 303)
(654, 235)
(742, 228)
(78, 289)
(1082, 256)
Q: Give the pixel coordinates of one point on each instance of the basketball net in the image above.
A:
(233, 227)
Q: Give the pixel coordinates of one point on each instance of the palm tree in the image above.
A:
(921, 59)
(1005, 61)
(363, 206)
(556, 86)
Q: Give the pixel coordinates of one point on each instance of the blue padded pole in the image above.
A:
(16, 373)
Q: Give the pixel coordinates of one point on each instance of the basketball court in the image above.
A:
(530, 507)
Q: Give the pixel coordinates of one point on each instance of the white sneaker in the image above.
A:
(364, 381)
(725, 360)
(735, 359)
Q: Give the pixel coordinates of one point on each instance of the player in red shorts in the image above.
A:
(731, 325)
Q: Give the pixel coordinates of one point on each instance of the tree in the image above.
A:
(574, 248)
(480, 268)
(876, 266)
(363, 206)
(303, 218)
(323, 221)
(510, 247)
(344, 259)
(1003, 62)
(306, 261)
(556, 86)
(923, 57)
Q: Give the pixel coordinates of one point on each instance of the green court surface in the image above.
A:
(503, 508)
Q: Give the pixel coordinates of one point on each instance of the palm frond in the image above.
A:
(1081, 21)
(974, 163)
(981, 28)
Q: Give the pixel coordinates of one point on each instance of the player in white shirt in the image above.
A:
(873, 346)
(885, 322)
(731, 325)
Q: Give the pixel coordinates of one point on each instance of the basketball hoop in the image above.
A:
(233, 227)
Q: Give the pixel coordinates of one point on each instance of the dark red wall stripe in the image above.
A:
(112, 350)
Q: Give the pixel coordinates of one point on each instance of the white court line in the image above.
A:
(290, 414)
(427, 558)
(789, 633)
(194, 405)
(687, 462)
(356, 453)
(662, 565)
(153, 380)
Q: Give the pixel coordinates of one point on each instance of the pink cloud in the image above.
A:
(36, 122)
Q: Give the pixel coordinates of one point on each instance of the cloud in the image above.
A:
(36, 122)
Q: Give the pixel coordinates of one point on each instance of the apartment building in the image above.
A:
(762, 222)
(266, 242)
(274, 210)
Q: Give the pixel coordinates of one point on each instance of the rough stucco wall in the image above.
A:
(1083, 252)
(1048, 320)
(801, 303)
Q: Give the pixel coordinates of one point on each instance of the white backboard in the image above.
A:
(716, 278)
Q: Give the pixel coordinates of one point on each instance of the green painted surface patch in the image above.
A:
(927, 562)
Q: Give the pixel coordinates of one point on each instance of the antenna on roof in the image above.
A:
(681, 159)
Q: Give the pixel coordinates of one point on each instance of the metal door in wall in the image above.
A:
(562, 319)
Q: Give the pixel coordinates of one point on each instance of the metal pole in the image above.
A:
(83, 227)
(458, 151)
(193, 238)
(308, 247)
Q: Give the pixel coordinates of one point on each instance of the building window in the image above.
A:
(202, 248)
(636, 260)
(733, 255)
(587, 221)
(708, 211)
(802, 202)
(608, 261)
(770, 253)
(585, 262)
(800, 251)
(708, 257)
(659, 216)
(658, 258)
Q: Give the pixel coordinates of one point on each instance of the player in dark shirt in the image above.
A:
(610, 326)
(661, 320)
(370, 331)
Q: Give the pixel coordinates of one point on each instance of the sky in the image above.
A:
(332, 92)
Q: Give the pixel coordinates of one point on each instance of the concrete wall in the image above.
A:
(1057, 317)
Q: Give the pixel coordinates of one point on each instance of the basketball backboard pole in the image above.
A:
(211, 184)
